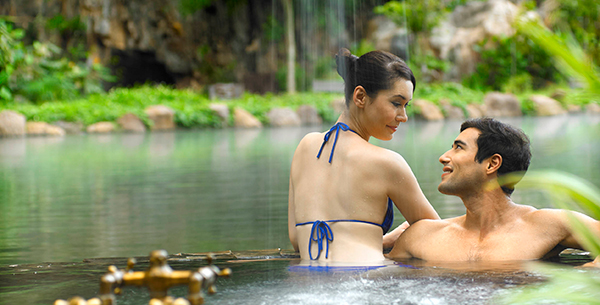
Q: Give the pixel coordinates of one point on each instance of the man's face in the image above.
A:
(461, 172)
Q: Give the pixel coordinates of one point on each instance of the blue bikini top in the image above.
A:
(320, 230)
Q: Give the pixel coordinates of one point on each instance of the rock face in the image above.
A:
(222, 111)
(161, 116)
(452, 112)
(12, 123)
(244, 119)
(43, 129)
(101, 127)
(474, 111)
(280, 117)
(546, 106)
(428, 110)
(454, 38)
(592, 108)
(129, 122)
(225, 91)
(498, 104)
(309, 115)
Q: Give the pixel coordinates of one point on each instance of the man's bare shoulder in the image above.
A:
(431, 226)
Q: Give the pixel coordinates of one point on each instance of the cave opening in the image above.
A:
(134, 67)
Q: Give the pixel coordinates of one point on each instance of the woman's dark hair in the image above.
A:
(499, 138)
(375, 71)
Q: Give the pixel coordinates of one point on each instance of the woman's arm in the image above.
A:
(406, 193)
(390, 238)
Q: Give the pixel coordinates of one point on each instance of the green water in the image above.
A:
(84, 196)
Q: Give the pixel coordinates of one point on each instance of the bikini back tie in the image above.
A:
(336, 128)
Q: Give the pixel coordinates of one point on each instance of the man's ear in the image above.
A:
(493, 164)
(359, 97)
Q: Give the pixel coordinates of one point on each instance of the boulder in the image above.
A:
(12, 123)
(221, 110)
(70, 127)
(101, 127)
(474, 111)
(546, 106)
(451, 111)
(244, 119)
(280, 117)
(309, 115)
(501, 105)
(571, 108)
(225, 91)
(43, 129)
(130, 122)
(428, 110)
(559, 94)
(592, 108)
(162, 117)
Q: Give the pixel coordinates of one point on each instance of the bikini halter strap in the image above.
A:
(336, 128)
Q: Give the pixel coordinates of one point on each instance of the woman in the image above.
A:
(340, 184)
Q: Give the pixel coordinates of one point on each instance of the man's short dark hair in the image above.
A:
(500, 138)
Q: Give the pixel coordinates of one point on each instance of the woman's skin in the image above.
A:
(358, 181)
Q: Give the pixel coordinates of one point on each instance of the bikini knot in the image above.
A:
(335, 128)
(320, 232)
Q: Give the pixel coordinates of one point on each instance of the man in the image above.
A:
(494, 227)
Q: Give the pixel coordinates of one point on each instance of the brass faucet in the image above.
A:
(158, 278)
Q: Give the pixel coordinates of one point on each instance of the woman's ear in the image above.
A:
(494, 163)
(359, 97)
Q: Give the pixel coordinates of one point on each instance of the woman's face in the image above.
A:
(387, 110)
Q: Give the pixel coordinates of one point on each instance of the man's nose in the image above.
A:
(444, 158)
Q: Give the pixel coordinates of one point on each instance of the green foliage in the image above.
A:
(417, 16)
(518, 84)
(303, 83)
(363, 47)
(60, 23)
(39, 73)
(582, 19)
(457, 94)
(504, 58)
(273, 30)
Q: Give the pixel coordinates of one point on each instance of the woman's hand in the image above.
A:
(390, 238)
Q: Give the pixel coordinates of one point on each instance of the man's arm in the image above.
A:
(573, 239)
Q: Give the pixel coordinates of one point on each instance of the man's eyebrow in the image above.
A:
(457, 142)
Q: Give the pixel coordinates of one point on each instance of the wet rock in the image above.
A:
(43, 129)
(280, 117)
(162, 117)
(12, 123)
(225, 91)
(546, 106)
(70, 127)
(427, 110)
(101, 127)
(501, 105)
(592, 108)
(386, 35)
(130, 122)
(244, 119)
(309, 115)
(474, 111)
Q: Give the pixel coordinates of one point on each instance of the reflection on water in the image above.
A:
(82, 196)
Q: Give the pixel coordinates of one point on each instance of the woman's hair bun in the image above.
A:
(346, 62)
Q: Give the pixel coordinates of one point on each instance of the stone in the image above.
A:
(221, 110)
(162, 117)
(428, 110)
(70, 127)
(454, 112)
(592, 108)
(43, 129)
(244, 119)
(12, 123)
(558, 94)
(101, 127)
(281, 117)
(130, 122)
(225, 91)
(501, 105)
(573, 108)
(546, 106)
(309, 115)
(474, 111)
